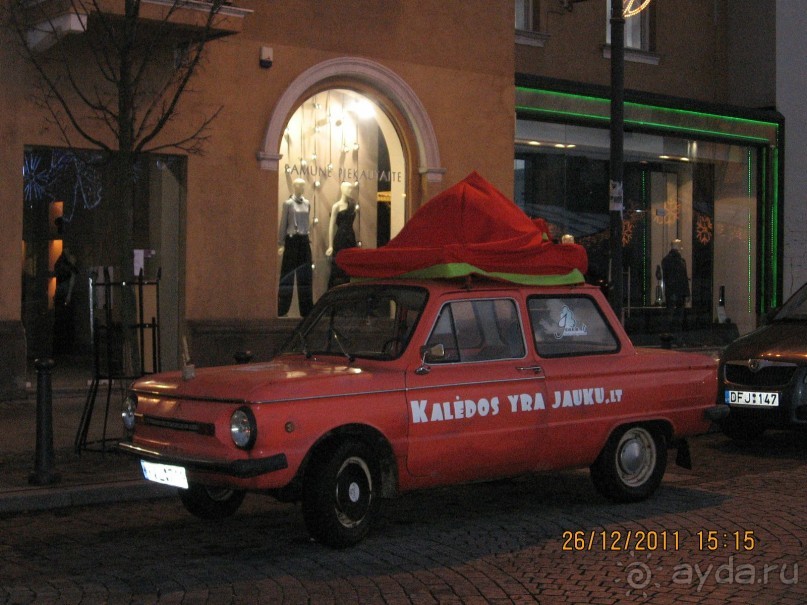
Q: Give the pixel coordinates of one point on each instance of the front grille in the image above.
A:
(771, 375)
(202, 428)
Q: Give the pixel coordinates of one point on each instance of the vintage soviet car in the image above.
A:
(763, 375)
(392, 385)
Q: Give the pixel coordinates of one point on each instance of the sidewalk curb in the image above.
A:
(49, 498)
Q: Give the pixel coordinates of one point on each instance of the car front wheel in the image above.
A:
(340, 496)
(631, 465)
(211, 503)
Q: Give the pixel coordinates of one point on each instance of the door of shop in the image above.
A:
(69, 226)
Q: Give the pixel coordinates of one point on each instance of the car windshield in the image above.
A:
(372, 321)
(795, 308)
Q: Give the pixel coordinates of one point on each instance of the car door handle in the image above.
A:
(534, 369)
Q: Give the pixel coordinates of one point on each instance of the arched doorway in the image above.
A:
(347, 121)
(342, 152)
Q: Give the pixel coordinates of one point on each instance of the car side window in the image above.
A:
(569, 325)
(478, 330)
(444, 334)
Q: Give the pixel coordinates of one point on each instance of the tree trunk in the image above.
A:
(123, 197)
(125, 175)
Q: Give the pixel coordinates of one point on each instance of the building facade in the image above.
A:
(702, 171)
(382, 106)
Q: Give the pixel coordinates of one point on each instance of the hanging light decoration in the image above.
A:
(633, 7)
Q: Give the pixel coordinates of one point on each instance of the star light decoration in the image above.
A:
(68, 171)
(35, 177)
(704, 229)
(671, 214)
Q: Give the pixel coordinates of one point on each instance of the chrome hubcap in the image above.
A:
(636, 456)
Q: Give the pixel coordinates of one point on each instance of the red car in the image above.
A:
(394, 385)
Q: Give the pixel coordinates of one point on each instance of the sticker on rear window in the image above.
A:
(568, 325)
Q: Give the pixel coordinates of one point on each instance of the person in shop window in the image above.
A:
(676, 285)
(340, 232)
(296, 252)
(65, 270)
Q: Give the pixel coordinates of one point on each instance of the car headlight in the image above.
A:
(243, 428)
(129, 409)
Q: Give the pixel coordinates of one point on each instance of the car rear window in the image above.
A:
(569, 325)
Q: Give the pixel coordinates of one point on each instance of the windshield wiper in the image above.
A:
(338, 340)
(303, 345)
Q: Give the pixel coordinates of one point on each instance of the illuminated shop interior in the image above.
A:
(339, 136)
(704, 193)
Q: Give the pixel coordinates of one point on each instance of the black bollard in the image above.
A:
(43, 470)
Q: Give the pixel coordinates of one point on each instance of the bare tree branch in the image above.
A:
(127, 54)
(194, 143)
(189, 71)
(114, 86)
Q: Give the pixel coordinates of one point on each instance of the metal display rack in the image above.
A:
(107, 331)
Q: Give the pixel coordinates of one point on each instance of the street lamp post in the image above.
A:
(616, 185)
(619, 10)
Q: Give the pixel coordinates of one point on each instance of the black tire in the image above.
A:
(740, 430)
(631, 465)
(341, 495)
(211, 503)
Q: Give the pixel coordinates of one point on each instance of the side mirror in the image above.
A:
(433, 353)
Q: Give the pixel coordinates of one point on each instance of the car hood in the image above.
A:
(781, 341)
(283, 380)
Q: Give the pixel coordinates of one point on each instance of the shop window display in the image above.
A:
(342, 185)
(699, 196)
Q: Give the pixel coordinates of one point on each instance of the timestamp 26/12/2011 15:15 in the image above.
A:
(620, 540)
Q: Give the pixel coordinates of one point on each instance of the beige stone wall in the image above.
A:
(457, 56)
(11, 151)
(690, 42)
(464, 83)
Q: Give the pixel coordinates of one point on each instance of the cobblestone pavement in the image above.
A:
(730, 531)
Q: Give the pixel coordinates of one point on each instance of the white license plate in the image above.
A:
(165, 474)
(752, 398)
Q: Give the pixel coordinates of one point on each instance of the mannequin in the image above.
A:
(296, 252)
(340, 231)
(65, 271)
(676, 285)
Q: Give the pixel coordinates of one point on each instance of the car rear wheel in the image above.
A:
(211, 503)
(340, 496)
(631, 465)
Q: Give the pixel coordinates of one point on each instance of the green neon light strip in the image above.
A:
(749, 236)
(687, 112)
(654, 125)
(774, 255)
(765, 251)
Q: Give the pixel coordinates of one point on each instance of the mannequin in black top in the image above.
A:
(340, 231)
